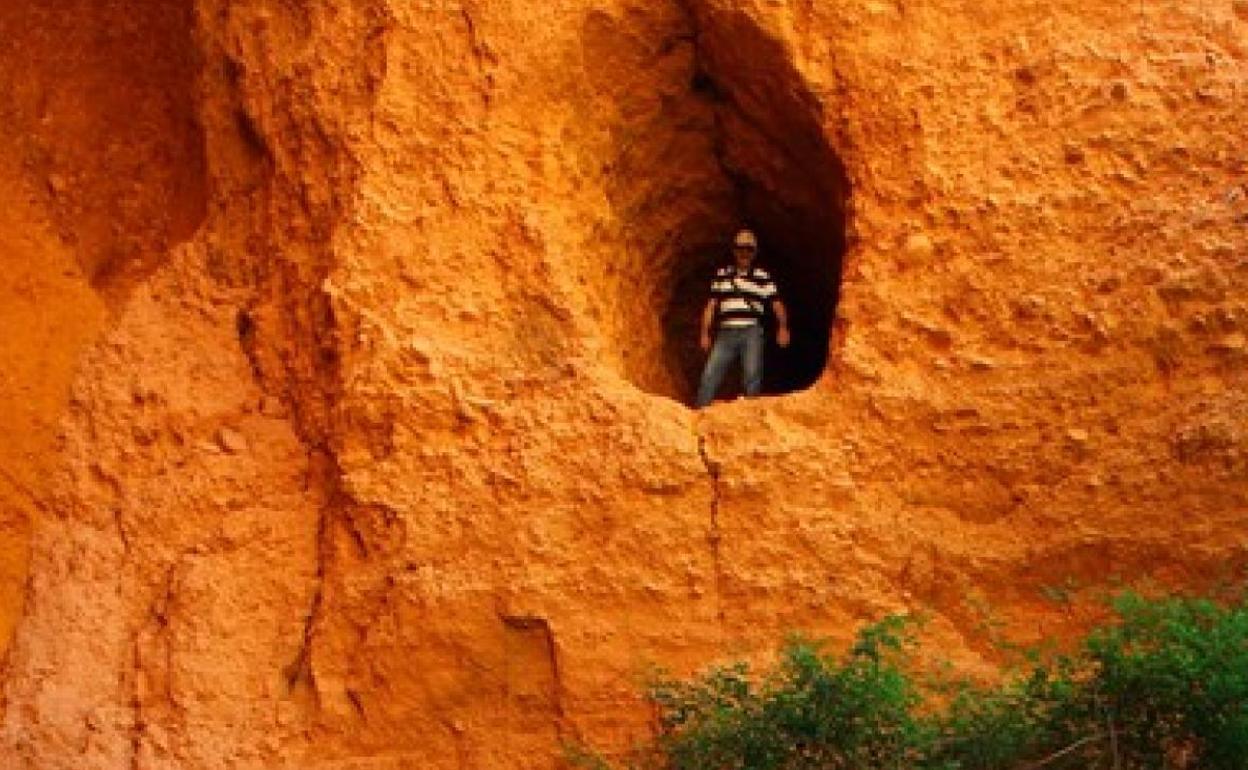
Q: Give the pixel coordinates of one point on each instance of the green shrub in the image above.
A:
(810, 710)
(1163, 685)
(1173, 677)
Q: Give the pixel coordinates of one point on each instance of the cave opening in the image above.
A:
(802, 250)
(760, 132)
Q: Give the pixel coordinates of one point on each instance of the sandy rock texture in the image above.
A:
(348, 344)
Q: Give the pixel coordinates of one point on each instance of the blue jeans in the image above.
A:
(731, 342)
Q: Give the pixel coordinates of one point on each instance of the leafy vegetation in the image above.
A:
(1163, 685)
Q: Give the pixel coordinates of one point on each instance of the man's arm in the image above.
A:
(708, 318)
(782, 323)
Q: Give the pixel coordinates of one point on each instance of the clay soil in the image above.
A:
(348, 350)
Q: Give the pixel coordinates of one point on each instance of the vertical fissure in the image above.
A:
(137, 726)
(292, 160)
(153, 630)
(713, 534)
(300, 671)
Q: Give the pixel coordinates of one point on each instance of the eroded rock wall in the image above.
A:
(89, 203)
(381, 468)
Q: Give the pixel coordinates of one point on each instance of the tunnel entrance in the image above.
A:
(739, 142)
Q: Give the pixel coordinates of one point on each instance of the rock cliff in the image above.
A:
(348, 347)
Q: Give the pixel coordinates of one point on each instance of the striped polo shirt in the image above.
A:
(742, 296)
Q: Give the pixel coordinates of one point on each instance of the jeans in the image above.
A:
(730, 342)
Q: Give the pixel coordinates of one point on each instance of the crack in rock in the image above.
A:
(713, 535)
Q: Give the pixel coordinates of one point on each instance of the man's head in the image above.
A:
(744, 247)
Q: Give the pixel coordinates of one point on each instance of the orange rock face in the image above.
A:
(349, 346)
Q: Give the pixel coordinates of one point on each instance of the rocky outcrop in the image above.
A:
(348, 392)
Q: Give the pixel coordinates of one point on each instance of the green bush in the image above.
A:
(811, 710)
(1173, 677)
(1165, 684)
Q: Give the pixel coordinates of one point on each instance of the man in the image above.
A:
(740, 295)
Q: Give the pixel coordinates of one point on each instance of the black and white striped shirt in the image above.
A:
(742, 296)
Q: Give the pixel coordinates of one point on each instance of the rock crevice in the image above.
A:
(713, 533)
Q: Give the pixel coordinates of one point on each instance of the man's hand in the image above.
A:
(705, 341)
(782, 323)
